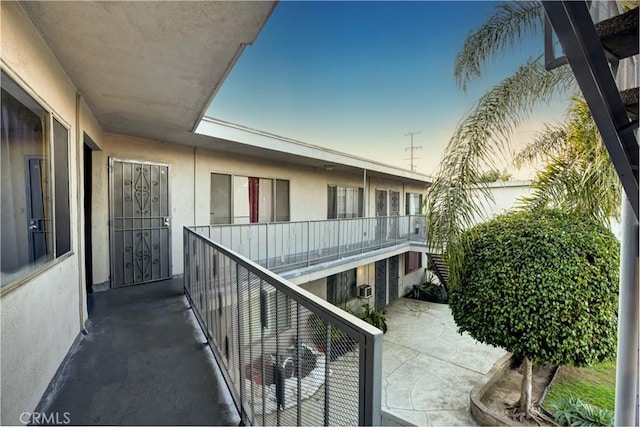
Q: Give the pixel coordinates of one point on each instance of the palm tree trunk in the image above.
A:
(525, 391)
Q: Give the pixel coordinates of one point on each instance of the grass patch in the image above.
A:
(595, 385)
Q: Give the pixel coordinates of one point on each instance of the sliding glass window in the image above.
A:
(34, 184)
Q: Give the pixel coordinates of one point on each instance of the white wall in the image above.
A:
(505, 196)
(42, 314)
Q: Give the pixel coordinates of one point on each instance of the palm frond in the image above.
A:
(456, 200)
(504, 107)
(509, 24)
(581, 177)
(547, 142)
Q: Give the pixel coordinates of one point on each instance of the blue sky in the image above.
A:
(358, 76)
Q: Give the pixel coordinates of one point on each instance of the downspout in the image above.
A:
(626, 405)
(195, 180)
(364, 193)
(80, 221)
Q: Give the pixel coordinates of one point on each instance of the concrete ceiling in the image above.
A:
(148, 69)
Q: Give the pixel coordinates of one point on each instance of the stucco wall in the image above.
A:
(505, 196)
(191, 170)
(41, 317)
(365, 275)
(178, 157)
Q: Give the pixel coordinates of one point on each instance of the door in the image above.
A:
(381, 213)
(140, 234)
(381, 283)
(88, 245)
(393, 278)
(394, 212)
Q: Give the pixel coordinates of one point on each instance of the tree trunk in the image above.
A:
(525, 391)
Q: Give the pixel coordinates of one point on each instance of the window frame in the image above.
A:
(408, 268)
(12, 83)
(408, 197)
(333, 205)
(233, 219)
(350, 294)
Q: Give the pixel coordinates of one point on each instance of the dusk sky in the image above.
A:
(358, 76)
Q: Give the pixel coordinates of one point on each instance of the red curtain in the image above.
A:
(254, 185)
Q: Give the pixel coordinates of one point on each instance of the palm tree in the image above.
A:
(578, 173)
(484, 134)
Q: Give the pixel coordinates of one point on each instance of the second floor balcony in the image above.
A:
(298, 250)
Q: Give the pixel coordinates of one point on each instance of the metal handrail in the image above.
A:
(223, 287)
(283, 246)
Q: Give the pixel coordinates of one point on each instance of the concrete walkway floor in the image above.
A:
(142, 363)
(428, 368)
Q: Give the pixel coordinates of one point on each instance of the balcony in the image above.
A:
(297, 250)
(287, 356)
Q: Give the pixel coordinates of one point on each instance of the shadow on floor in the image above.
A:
(139, 364)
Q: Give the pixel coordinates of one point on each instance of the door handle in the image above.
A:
(165, 221)
(33, 225)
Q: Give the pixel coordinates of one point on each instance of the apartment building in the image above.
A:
(106, 158)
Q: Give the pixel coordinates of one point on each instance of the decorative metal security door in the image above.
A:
(394, 212)
(140, 233)
(393, 278)
(381, 283)
(381, 213)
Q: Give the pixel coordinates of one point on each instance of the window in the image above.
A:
(242, 199)
(275, 311)
(344, 202)
(220, 212)
(341, 287)
(412, 262)
(35, 185)
(414, 204)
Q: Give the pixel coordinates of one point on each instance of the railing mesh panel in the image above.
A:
(285, 364)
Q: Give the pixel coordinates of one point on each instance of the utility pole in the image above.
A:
(412, 149)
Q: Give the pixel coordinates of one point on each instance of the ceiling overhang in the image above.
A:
(148, 69)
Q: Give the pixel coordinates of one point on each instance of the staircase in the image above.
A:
(595, 52)
(439, 267)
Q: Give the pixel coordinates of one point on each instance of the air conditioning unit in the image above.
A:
(364, 291)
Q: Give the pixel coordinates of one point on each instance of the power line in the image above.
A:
(412, 149)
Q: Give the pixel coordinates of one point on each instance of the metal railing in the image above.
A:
(283, 246)
(288, 357)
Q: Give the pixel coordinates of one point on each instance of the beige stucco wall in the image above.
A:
(317, 287)
(41, 316)
(365, 275)
(181, 163)
(191, 170)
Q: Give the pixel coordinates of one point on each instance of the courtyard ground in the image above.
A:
(428, 368)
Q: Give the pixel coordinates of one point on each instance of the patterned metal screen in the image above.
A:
(140, 222)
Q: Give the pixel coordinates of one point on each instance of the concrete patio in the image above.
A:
(428, 368)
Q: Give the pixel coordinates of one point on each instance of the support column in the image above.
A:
(627, 401)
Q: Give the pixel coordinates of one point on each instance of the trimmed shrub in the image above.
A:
(542, 285)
